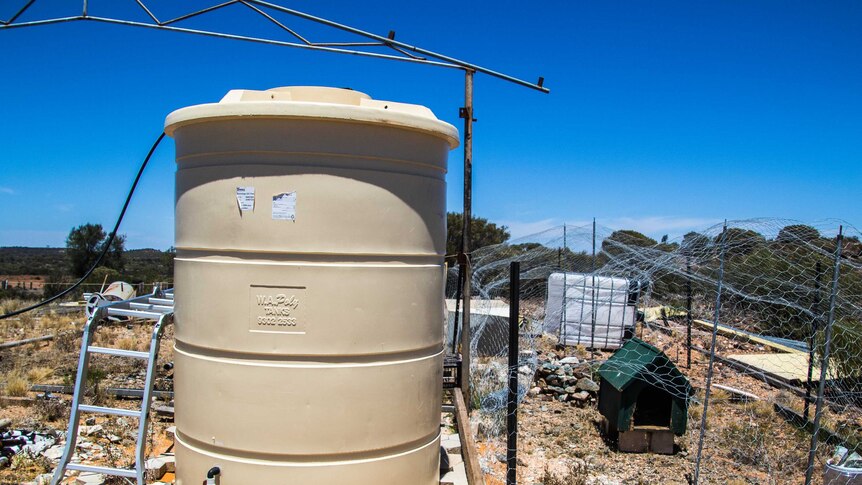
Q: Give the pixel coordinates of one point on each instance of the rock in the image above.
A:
(114, 438)
(157, 467)
(122, 422)
(562, 397)
(43, 479)
(567, 370)
(587, 384)
(171, 462)
(533, 392)
(53, 453)
(526, 370)
(89, 478)
(570, 381)
(501, 457)
(582, 396)
(90, 421)
(91, 430)
(570, 361)
(571, 389)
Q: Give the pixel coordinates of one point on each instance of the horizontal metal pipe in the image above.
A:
(445, 61)
(452, 60)
(35, 23)
(266, 41)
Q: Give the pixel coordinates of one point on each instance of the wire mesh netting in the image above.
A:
(707, 350)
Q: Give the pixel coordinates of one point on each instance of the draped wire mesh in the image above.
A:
(779, 294)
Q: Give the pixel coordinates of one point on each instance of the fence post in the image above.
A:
(688, 311)
(455, 321)
(593, 294)
(565, 293)
(812, 339)
(824, 362)
(512, 404)
(716, 315)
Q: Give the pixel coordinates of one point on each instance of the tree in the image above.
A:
(741, 241)
(798, 233)
(694, 244)
(482, 233)
(620, 241)
(86, 242)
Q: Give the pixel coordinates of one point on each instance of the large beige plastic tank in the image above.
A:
(309, 319)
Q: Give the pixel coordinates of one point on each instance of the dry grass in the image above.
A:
(39, 375)
(16, 384)
(574, 475)
(30, 464)
(128, 343)
(11, 304)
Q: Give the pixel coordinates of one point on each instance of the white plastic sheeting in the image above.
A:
(596, 311)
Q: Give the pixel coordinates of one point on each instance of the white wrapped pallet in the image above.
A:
(595, 311)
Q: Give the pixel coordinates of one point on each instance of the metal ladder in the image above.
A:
(157, 306)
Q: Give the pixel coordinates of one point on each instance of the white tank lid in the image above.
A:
(313, 102)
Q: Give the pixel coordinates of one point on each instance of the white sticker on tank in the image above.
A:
(284, 206)
(245, 198)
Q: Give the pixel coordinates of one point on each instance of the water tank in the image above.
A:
(310, 235)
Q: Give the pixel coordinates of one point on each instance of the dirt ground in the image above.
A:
(55, 363)
(744, 443)
(559, 442)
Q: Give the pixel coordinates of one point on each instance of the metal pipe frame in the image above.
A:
(405, 52)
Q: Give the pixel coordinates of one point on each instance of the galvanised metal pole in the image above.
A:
(716, 315)
(466, 334)
(512, 400)
(824, 362)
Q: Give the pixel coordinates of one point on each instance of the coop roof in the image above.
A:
(638, 361)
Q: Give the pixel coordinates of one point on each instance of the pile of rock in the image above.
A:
(565, 380)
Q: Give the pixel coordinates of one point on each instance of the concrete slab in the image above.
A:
(790, 367)
(458, 475)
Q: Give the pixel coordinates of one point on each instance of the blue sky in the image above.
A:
(663, 116)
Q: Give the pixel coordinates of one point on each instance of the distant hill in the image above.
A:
(38, 261)
(144, 264)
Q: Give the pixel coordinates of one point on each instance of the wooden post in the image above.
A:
(468, 444)
(466, 334)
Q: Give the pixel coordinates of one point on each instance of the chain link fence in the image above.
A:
(743, 339)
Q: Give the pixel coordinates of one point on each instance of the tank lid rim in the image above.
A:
(374, 114)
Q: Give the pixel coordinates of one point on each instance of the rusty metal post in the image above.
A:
(464, 259)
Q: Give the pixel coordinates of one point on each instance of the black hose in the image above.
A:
(106, 247)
